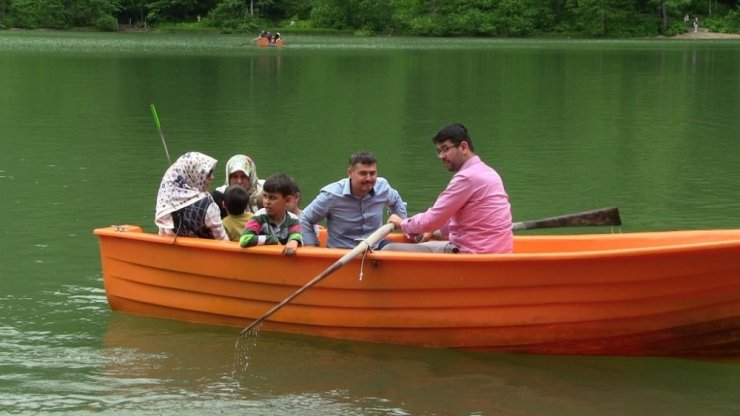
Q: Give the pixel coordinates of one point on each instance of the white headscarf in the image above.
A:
(184, 183)
(244, 164)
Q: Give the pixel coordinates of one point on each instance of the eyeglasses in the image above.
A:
(444, 149)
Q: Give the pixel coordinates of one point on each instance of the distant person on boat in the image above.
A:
(265, 34)
(241, 170)
(472, 214)
(274, 224)
(184, 206)
(266, 38)
(295, 204)
(235, 202)
(295, 207)
(354, 206)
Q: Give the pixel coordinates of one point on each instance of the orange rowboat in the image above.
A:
(653, 293)
(264, 43)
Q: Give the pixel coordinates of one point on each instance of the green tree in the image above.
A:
(178, 10)
(521, 17)
(4, 12)
(602, 18)
(732, 20)
(88, 12)
(133, 12)
(333, 14)
(230, 13)
(670, 11)
(246, 15)
(33, 14)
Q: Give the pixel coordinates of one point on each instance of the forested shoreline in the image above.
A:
(484, 18)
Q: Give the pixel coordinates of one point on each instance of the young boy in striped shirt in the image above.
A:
(274, 224)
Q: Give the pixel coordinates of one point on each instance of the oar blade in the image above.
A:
(155, 116)
(161, 135)
(598, 217)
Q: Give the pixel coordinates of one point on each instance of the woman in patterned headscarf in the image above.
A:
(241, 170)
(184, 206)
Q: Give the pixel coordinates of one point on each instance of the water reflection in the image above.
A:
(152, 364)
(149, 365)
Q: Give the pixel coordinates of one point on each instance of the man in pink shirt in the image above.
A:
(472, 214)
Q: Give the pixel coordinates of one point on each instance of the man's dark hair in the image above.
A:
(236, 199)
(364, 157)
(456, 133)
(280, 183)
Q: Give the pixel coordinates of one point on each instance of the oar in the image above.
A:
(597, 217)
(159, 127)
(249, 41)
(362, 246)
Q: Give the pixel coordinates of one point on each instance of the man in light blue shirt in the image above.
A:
(353, 207)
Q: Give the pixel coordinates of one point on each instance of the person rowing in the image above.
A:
(473, 213)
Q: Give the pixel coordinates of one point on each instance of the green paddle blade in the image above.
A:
(156, 117)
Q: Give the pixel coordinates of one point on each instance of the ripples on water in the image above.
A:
(245, 345)
(217, 44)
(149, 366)
(144, 368)
(43, 364)
(221, 45)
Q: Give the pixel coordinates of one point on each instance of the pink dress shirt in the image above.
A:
(473, 212)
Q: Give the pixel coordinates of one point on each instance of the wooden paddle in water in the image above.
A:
(365, 244)
(597, 217)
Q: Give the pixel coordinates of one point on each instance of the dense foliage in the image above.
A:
(500, 18)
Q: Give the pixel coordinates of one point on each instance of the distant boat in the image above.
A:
(265, 43)
(650, 293)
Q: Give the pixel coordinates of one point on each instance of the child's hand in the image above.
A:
(290, 248)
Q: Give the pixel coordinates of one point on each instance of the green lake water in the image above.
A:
(649, 126)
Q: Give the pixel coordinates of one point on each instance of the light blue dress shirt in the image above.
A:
(349, 218)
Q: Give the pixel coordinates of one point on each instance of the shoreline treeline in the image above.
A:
(486, 18)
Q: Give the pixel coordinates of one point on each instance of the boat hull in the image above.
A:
(669, 293)
(265, 43)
